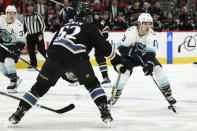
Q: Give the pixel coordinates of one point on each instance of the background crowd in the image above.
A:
(118, 14)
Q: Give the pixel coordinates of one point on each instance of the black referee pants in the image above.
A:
(32, 41)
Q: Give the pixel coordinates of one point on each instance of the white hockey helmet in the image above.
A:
(145, 17)
(10, 8)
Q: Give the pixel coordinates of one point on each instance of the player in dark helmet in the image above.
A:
(68, 51)
(84, 13)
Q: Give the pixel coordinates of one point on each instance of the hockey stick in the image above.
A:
(170, 105)
(116, 86)
(63, 110)
(4, 47)
(114, 90)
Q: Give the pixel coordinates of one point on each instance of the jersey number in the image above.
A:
(68, 32)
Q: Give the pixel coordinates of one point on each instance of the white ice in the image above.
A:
(141, 107)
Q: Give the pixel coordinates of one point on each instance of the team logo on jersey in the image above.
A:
(5, 36)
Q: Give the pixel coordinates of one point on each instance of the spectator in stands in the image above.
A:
(157, 11)
(175, 9)
(42, 9)
(187, 25)
(1, 7)
(98, 6)
(146, 8)
(156, 23)
(184, 15)
(106, 18)
(120, 24)
(169, 23)
(67, 13)
(54, 22)
(50, 8)
(133, 13)
(57, 8)
(114, 9)
(195, 21)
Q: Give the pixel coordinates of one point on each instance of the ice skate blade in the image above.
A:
(107, 85)
(12, 121)
(12, 90)
(109, 124)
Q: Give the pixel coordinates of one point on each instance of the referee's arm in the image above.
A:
(24, 26)
(42, 24)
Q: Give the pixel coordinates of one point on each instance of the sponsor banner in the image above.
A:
(172, 47)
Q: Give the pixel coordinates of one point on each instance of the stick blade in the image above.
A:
(66, 109)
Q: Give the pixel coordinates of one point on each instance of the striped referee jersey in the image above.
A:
(33, 23)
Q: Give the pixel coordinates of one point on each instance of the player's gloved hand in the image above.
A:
(70, 77)
(137, 50)
(17, 51)
(148, 68)
(120, 68)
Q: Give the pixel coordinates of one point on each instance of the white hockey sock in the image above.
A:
(160, 77)
(3, 69)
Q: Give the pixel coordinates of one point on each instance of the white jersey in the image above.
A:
(131, 36)
(15, 30)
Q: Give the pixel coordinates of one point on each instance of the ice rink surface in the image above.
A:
(141, 107)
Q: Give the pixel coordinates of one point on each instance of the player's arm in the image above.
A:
(125, 43)
(150, 54)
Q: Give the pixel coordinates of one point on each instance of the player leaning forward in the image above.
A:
(67, 51)
(137, 43)
(11, 36)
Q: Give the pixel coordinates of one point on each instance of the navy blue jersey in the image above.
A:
(75, 39)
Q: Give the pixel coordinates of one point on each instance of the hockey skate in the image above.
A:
(105, 113)
(12, 88)
(106, 83)
(74, 84)
(113, 100)
(168, 95)
(18, 115)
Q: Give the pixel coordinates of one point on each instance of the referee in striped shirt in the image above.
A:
(34, 26)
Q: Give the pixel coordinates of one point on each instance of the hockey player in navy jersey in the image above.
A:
(67, 51)
(11, 36)
(97, 20)
(136, 43)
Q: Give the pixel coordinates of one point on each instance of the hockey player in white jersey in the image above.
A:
(138, 43)
(11, 36)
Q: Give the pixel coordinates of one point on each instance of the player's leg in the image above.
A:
(87, 77)
(50, 73)
(15, 80)
(129, 64)
(100, 59)
(31, 42)
(163, 82)
(9, 62)
(3, 69)
(123, 80)
(41, 46)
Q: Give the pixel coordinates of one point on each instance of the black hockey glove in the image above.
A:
(118, 65)
(148, 68)
(18, 48)
(137, 50)
(5, 36)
